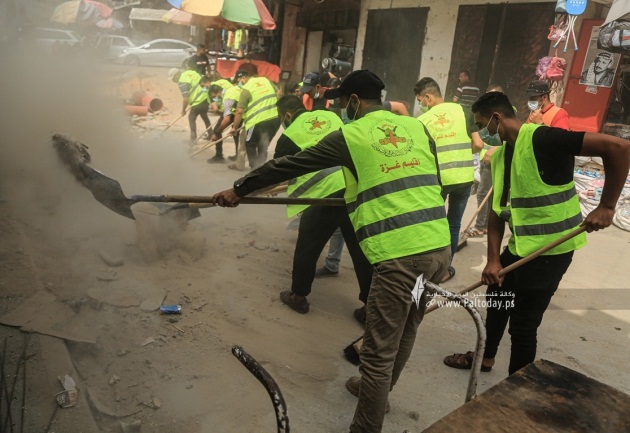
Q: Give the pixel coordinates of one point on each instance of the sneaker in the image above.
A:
(232, 158)
(216, 159)
(353, 385)
(288, 298)
(325, 272)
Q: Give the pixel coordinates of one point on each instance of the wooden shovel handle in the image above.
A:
(521, 262)
(244, 200)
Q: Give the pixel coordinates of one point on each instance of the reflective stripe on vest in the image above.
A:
(232, 93)
(539, 213)
(187, 81)
(446, 122)
(391, 187)
(305, 131)
(263, 103)
(300, 190)
(198, 96)
(395, 202)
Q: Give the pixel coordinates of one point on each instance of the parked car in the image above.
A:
(47, 39)
(110, 47)
(160, 52)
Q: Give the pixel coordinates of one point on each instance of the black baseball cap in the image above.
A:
(310, 80)
(363, 83)
(538, 88)
(241, 73)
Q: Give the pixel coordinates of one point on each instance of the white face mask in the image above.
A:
(316, 95)
(532, 105)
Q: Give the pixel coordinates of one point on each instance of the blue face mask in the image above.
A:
(204, 89)
(344, 115)
(240, 84)
(491, 140)
(423, 108)
(216, 100)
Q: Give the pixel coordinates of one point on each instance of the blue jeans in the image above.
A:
(457, 199)
(335, 248)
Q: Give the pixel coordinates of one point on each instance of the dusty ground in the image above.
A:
(176, 373)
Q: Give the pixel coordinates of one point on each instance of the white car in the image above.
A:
(110, 47)
(46, 38)
(160, 52)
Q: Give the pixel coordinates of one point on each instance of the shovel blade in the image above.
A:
(105, 190)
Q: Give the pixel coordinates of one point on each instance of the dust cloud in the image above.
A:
(78, 97)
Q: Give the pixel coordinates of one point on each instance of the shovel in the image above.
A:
(205, 146)
(173, 122)
(108, 191)
(463, 239)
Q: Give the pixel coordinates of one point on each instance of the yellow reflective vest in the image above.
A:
(395, 202)
(263, 103)
(446, 123)
(305, 131)
(538, 213)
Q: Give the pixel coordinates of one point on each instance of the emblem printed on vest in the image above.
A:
(316, 126)
(386, 140)
(442, 121)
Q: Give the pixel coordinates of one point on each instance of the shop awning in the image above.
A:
(144, 14)
(620, 10)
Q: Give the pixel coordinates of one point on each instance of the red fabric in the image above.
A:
(103, 9)
(228, 68)
(266, 20)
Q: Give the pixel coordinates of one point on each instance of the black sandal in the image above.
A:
(463, 361)
(451, 274)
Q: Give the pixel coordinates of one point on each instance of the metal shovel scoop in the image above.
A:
(108, 191)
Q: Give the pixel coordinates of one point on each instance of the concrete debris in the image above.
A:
(148, 341)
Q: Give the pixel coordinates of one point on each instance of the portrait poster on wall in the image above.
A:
(599, 65)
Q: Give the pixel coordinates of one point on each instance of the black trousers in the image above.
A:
(219, 146)
(198, 110)
(522, 300)
(317, 225)
(258, 143)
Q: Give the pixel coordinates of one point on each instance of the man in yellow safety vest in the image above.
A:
(393, 198)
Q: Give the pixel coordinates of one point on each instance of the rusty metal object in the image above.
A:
(471, 391)
(137, 110)
(152, 103)
(279, 405)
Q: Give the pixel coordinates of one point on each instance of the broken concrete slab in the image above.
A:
(153, 301)
(45, 315)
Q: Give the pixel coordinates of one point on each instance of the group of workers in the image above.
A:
(245, 102)
(396, 173)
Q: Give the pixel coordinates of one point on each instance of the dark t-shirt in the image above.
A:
(200, 64)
